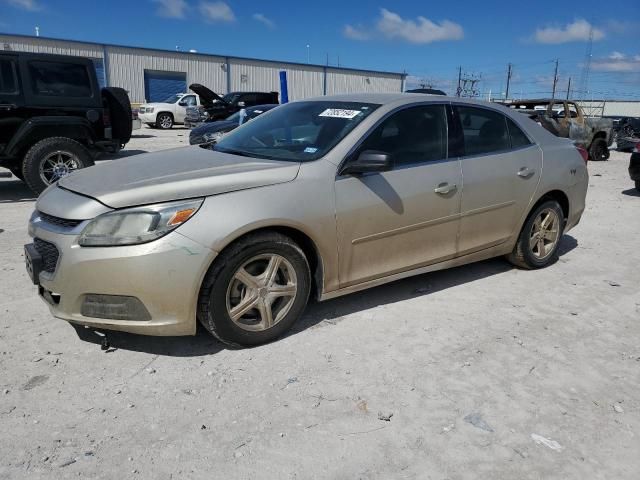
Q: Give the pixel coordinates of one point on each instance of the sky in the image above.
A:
(428, 40)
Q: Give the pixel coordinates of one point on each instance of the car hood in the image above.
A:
(175, 174)
(158, 104)
(205, 94)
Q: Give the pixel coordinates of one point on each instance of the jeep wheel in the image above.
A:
(599, 150)
(51, 159)
(164, 121)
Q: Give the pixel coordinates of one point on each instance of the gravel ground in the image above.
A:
(483, 371)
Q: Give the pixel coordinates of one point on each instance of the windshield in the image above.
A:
(173, 99)
(299, 131)
(231, 97)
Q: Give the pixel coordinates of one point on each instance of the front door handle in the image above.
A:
(444, 188)
(526, 172)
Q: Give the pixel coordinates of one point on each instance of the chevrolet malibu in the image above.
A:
(314, 199)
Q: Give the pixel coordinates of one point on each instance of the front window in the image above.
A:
(299, 131)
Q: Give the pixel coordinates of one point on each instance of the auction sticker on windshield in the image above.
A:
(339, 113)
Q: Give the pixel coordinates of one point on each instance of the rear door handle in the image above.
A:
(8, 106)
(444, 188)
(526, 172)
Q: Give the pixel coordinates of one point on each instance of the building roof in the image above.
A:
(229, 57)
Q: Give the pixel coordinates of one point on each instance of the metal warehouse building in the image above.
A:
(153, 75)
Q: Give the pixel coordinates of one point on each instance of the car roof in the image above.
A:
(402, 99)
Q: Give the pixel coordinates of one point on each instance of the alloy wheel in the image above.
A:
(57, 165)
(545, 233)
(261, 292)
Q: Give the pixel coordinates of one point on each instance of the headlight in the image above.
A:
(137, 225)
(213, 137)
(149, 110)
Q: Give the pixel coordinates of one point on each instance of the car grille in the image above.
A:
(60, 222)
(49, 253)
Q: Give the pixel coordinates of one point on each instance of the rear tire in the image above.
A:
(51, 159)
(599, 151)
(164, 121)
(532, 250)
(236, 278)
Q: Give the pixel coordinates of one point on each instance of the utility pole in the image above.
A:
(569, 88)
(555, 81)
(459, 90)
(506, 95)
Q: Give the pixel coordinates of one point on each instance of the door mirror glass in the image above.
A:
(369, 161)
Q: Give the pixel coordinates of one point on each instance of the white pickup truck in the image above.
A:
(168, 113)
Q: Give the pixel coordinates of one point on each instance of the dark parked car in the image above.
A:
(634, 166)
(626, 131)
(214, 107)
(54, 118)
(214, 131)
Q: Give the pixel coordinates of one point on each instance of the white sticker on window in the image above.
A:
(339, 113)
(310, 150)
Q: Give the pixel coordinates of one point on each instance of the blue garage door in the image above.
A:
(158, 86)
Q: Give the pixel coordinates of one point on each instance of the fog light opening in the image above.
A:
(114, 307)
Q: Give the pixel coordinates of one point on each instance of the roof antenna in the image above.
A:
(37, 31)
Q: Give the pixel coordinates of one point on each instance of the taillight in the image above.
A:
(637, 148)
(583, 152)
(106, 118)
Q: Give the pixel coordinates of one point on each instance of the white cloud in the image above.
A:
(30, 5)
(259, 17)
(617, 62)
(423, 30)
(393, 26)
(355, 33)
(577, 31)
(217, 12)
(171, 8)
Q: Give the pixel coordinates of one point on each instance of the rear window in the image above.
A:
(59, 79)
(8, 81)
(518, 138)
(485, 131)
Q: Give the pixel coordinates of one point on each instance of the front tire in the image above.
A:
(537, 245)
(51, 159)
(164, 121)
(255, 290)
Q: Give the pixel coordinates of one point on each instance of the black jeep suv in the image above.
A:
(54, 118)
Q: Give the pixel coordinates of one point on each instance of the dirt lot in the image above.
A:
(485, 372)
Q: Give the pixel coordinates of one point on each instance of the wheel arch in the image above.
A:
(557, 195)
(306, 243)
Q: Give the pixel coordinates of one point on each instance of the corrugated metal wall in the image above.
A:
(303, 82)
(60, 47)
(126, 66)
(339, 81)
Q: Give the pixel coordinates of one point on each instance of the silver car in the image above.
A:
(316, 198)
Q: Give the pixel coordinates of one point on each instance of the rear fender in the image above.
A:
(38, 128)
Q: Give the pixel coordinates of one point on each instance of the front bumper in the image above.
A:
(147, 117)
(164, 275)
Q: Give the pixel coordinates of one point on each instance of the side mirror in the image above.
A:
(241, 104)
(368, 161)
(182, 103)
